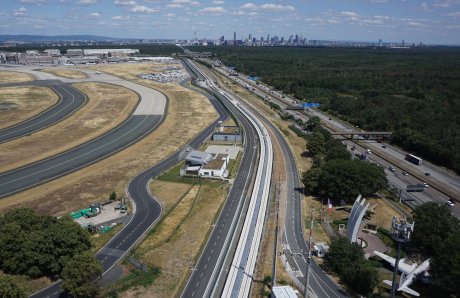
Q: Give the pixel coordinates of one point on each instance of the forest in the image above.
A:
(415, 93)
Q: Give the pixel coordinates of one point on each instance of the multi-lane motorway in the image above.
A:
(70, 100)
(205, 276)
(443, 184)
(293, 246)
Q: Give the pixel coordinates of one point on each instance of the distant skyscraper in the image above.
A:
(234, 39)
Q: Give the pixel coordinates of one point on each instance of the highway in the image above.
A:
(239, 279)
(70, 100)
(207, 271)
(147, 209)
(443, 184)
(293, 245)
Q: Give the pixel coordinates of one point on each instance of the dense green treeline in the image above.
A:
(413, 92)
(40, 245)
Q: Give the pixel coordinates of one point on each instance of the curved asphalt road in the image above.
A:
(130, 131)
(147, 210)
(70, 101)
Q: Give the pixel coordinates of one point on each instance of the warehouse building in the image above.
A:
(227, 134)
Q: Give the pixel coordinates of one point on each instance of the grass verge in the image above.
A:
(66, 73)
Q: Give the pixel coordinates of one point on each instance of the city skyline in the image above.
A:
(430, 22)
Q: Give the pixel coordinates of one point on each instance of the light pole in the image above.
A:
(310, 240)
(400, 232)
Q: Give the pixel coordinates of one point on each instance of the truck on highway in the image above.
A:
(414, 159)
(415, 187)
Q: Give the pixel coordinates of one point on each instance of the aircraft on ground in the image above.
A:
(409, 272)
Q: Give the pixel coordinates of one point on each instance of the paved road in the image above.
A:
(444, 184)
(147, 210)
(293, 243)
(147, 115)
(207, 270)
(70, 101)
(130, 131)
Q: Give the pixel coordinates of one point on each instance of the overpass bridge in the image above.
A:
(369, 135)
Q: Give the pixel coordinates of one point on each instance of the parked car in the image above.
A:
(425, 184)
(391, 169)
(404, 173)
(427, 174)
(450, 203)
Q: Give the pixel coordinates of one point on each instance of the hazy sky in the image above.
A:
(435, 21)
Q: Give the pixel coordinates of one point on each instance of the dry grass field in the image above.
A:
(188, 113)
(23, 102)
(108, 106)
(14, 77)
(175, 242)
(66, 73)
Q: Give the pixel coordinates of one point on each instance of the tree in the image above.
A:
(342, 253)
(79, 275)
(310, 179)
(9, 289)
(37, 245)
(347, 260)
(113, 196)
(433, 224)
(445, 265)
(312, 123)
(345, 179)
(316, 144)
(337, 151)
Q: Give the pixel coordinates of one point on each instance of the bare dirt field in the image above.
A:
(14, 77)
(176, 241)
(23, 102)
(108, 106)
(66, 73)
(188, 113)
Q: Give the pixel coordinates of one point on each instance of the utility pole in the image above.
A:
(400, 232)
(310, 240)
(275, 249)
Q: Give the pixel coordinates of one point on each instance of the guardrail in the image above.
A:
(239, 279)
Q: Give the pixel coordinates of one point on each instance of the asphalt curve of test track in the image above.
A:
(70, 101)
(148, 209)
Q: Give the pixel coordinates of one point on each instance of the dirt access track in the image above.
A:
(188, 114)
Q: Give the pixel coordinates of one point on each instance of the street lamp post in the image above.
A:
(400, 232)
(310, 240)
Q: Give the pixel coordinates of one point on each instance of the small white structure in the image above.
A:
(284, 292)
(205, 164)
(321, 249)
(215, 167)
